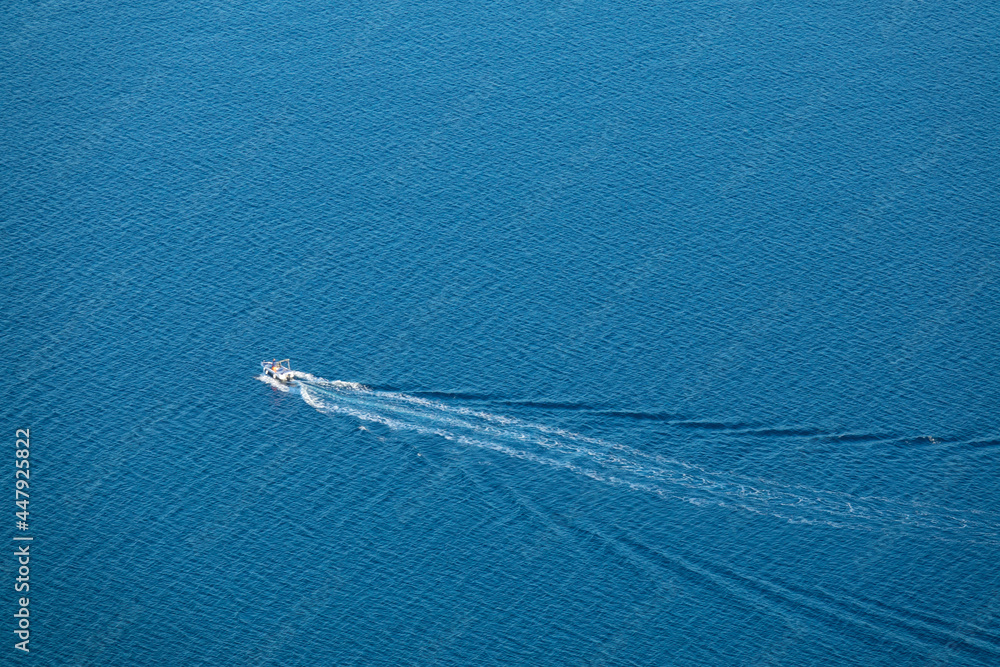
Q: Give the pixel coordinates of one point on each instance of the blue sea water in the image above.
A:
(630, 333)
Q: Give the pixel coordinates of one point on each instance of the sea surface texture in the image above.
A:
(627, 333)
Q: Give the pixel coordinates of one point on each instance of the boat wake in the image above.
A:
(621, 465)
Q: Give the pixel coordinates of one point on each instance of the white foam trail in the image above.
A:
(320, 382)
(621, 465)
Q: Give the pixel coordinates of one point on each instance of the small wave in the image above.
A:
(644, 416)
(857, 437)
(449, 394)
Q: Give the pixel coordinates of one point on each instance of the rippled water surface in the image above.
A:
(626, 334)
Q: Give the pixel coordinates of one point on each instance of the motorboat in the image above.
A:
(279, 370)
